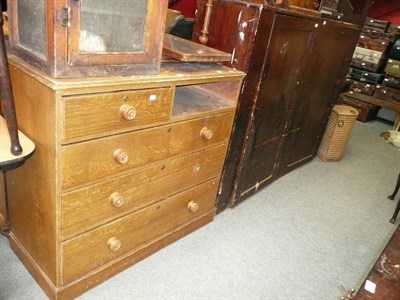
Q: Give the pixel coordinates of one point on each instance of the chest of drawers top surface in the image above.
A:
(177, 73)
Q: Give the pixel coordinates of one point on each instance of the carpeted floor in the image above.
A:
(319, 227)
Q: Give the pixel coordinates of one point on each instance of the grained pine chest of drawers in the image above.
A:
(123, 167)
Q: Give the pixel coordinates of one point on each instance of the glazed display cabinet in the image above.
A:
(78, 38)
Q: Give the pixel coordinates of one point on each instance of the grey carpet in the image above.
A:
(319, 227)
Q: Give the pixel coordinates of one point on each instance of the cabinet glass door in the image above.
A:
(111, 32)
(31, 14)
(107, 26)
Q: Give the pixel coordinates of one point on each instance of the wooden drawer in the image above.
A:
(101, 245)
(85, 208)
(86, 115)
(96, 159)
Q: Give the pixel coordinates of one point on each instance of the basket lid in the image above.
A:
(345, 110)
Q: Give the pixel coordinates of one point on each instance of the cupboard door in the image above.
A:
(282, 82)
(308, 121)
(330, 69)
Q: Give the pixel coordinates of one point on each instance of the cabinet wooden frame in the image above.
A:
(62, 57)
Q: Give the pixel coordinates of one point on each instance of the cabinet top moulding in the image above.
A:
(177, 73)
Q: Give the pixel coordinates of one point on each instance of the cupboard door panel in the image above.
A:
(298, 147)
(283, 79)
(258, 169)
(282, 84)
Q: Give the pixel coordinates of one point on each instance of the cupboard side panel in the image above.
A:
(232, 29)
(245, 107)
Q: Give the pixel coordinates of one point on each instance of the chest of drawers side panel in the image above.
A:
(32, 188)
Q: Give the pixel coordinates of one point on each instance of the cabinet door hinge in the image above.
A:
(65, 16)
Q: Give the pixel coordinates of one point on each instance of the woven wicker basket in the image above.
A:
(337, 133)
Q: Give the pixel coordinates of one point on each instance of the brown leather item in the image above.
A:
(362, 87)
(387, 93)
(377, 44)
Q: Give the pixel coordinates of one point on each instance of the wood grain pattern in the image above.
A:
(32, 187)
(88, 207)
(176, 74)
(100, 113)
(385, 273)
(195, 99)
(91, 160)
(158, 162)
(119, 264)
(134, 230)
(2, 200)
(184, 50)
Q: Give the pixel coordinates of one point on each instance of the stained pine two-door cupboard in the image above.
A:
(123, 167)
(295, 63)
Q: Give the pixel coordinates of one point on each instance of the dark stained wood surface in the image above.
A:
(385, 273)
(292, 80)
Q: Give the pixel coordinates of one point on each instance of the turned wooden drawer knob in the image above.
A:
(117, 200)
(128, 112)
(193, 206)
(196, 168)
(120, 156)
(206, 133)
(114, 244)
